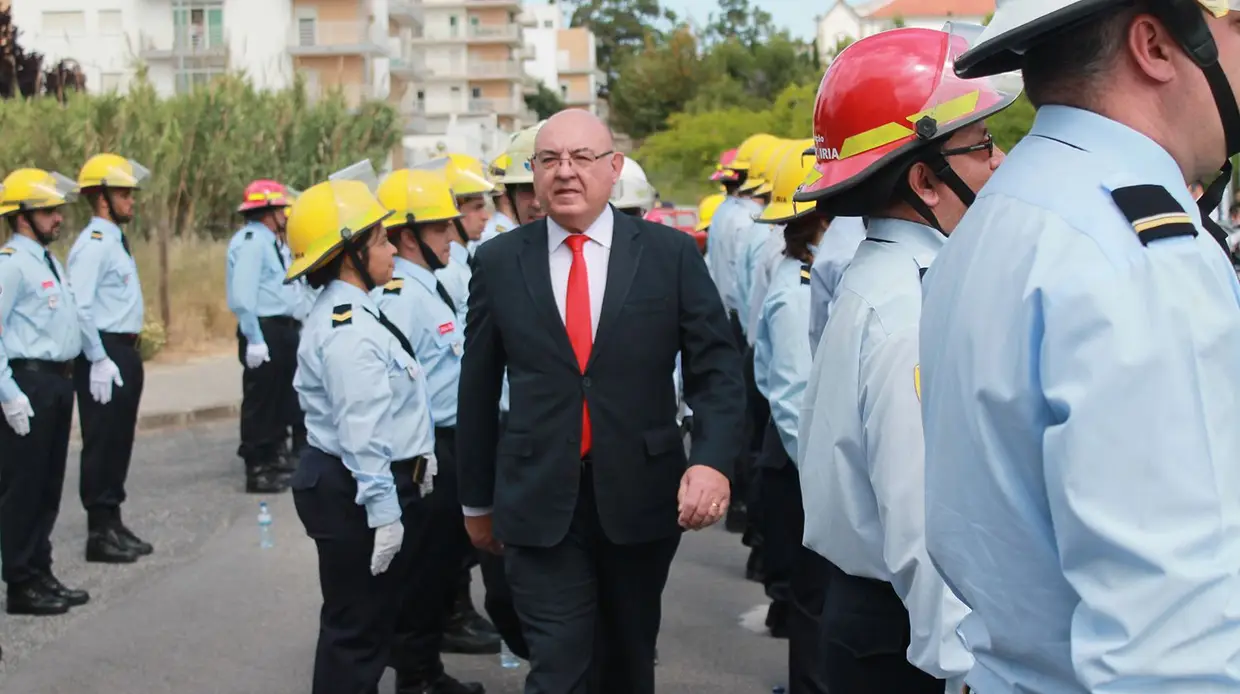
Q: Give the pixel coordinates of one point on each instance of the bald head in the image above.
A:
(575, 168)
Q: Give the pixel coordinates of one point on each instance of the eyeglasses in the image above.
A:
(578, 158)
(987, 144)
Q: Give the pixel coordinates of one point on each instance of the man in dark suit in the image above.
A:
(588, 485)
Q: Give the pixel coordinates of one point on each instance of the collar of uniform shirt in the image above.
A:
(28, 245)
(458, 252)
(416, 272)
(1132, 153)
(600, 231)
(342, 292)
(101, 224)
(924, 241)
(261, 228)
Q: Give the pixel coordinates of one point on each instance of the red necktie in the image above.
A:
(577, 321)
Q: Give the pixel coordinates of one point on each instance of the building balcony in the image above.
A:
(494, 33)
(354, 94)
(336, 38)
(405, 12)
(406, 67)
(579, 97)
(575, 67)
(527, 52)
(186, 42)
(414, 116)
(495, 70)
(527, 20)
(501, 107)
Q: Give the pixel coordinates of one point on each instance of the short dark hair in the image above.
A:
(1069, 67)
(800, 234)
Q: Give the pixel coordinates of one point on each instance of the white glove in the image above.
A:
(388, 539)
(428, 477)
(103, 375)
(255, 355)
(18, 413)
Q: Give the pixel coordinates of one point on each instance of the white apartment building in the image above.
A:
(565, 60)
(447, 65)
(857, 19)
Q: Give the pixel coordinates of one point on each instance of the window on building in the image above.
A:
(548, 24)
(110, 23)
(199, 27)
(110, 81)
(64, 23)
(307, 29)
(563, 91)
(421, 95)
(475, 92)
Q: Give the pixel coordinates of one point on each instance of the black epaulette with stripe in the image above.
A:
(921, 272)
(1153, 212)
(805, 268)
(96, 235)
(7, 251)
(342, 315)
(394, 286)
(249, 234)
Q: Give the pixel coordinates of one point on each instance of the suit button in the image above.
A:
(585, 382)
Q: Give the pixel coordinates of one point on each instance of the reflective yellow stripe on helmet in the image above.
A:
(885, 134)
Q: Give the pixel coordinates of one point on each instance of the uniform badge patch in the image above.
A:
(96, 235)
(805, 273)
(445, 328)
(394, 286)
(500, 228)
(342, 315)
(7, 251)
(917, 381)
(48, 284)
(249, 235)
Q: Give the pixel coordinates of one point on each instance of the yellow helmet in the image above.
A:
(791, 174)
(519, 153)
(496, 171)
(417, 196)
(112, 171)
(706, 209)
(750, 147)
(765, 163)
(466, 176)
(35, 189)
(330, 213)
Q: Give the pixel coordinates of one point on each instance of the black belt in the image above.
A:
(128, 339)
(56, 368)
(414, 466)
(285, 321)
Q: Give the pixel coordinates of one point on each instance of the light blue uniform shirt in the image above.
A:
(733, 215)
(364, 397)
(37, 317)
(749, 244)
(306, 296)
(436, 333)
(862, 457)
(767, 253)
(254, 276)
(499, 223)
(1080, 392)
(781, 357)
(835, 252)
(105, 285)
(455, 275)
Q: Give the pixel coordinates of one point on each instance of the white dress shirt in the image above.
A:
(597, 253)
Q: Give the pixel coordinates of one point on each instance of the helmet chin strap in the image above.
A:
(460, 231)
(44, 239)
(357, 252)
(945, 173)
(428, 255)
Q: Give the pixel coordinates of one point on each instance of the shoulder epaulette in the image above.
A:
(1153, 213)
(342, 314)
(500, 228)
(96, 235)
(249, 234)
(394, 286)
(7, 251)
(805, 273)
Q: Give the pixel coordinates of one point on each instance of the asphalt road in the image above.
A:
(213, 613)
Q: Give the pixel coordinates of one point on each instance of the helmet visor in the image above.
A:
(1220, 8)
(353, 194)
(129, 174)
(60, 186)
(465, 178)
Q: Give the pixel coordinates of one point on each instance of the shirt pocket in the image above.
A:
(402, 368)
(48, 295)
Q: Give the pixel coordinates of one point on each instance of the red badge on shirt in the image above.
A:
(48, 284)
(445, 328)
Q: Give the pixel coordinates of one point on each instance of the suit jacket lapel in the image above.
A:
(536, 268)
(626, 251)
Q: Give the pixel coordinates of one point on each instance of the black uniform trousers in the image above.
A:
(810, 578)
(865, 632)
(498, 600)
(783, 516)
(590, 608)
(757, 415)
(32, 469)
(359, 610)
(108, 430)
(439, 545)
(269, 406)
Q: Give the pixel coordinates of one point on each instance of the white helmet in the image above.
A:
(632, 189)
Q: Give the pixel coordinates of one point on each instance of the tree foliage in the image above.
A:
(656, 83)
(22, 73)
(738, 20)
(621, 27)
(545, 102)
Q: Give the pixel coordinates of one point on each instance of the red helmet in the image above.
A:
(722, 172)
(264, 193)
(882, 101)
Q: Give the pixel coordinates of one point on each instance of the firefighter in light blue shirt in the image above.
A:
(471, 188)
(267, 336)
(108, 377)
(1078, 363)
(752, 237)
(370, 436)
(835, 253)
(910, 162)
(40, 336)
(794, 577)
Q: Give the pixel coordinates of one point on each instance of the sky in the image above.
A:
(797, 16)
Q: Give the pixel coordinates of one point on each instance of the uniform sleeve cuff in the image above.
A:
(382, 511)
(475, 511)
(94, 354)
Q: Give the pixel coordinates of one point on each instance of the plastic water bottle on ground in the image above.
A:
(507, 659)
(265, 540)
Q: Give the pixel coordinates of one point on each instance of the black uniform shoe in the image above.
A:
(462, 637)
(107, 547)
(70, 595)
(264, 479)
(777, 618)
(135, 543)
(286, 462)
(463, 612)
(443, 684)
(33, 598)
